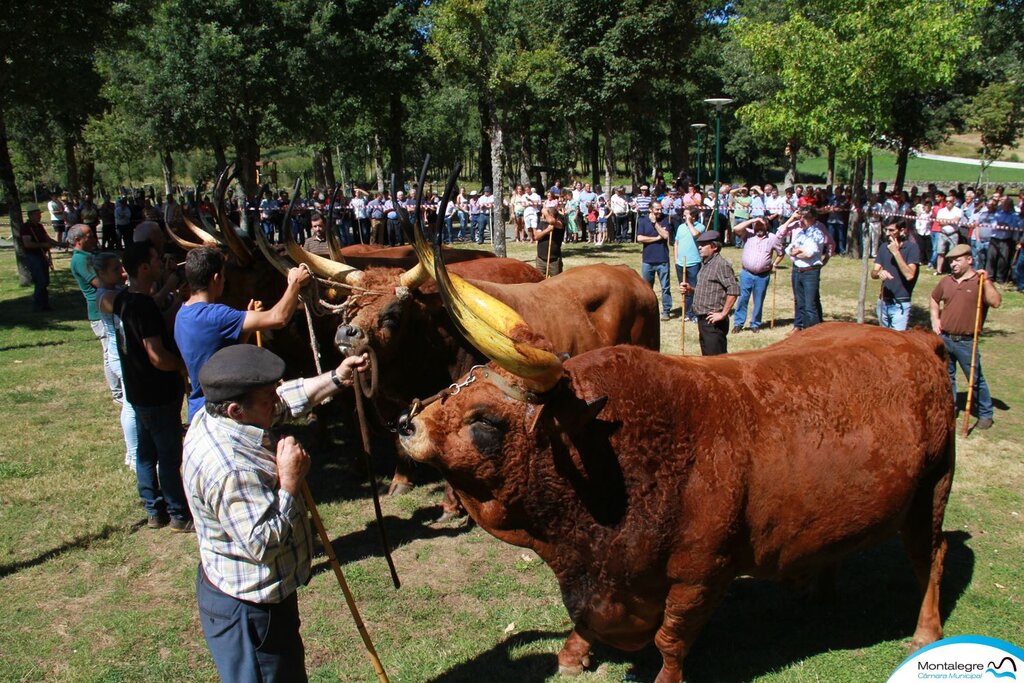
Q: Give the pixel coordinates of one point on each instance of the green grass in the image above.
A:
(919, 171)
(92, 595)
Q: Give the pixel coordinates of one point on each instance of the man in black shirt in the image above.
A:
(897, 266)
(152, 370)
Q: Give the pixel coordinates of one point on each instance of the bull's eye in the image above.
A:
(390, 319)
(487, 433)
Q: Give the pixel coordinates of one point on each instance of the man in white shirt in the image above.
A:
(486, 203)
(948, 217)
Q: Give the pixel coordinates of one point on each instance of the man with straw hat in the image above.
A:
(958, 306)
(250, 517)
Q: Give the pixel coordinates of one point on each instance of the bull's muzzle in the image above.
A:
(348, 338)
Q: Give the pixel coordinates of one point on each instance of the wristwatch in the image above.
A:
(335, 379)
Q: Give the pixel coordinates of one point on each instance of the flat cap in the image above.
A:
(959, 250)
(31, 207)
(235, 370)
(709, 236)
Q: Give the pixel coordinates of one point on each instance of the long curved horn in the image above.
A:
(231, 238)
(203, 235)
(180, 241)
(419, 273)
(325, 268)
(495, 329)
(332, 237)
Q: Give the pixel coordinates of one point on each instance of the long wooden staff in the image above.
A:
(336, 566)
(682, 341)
(974, 350)
(775, 282)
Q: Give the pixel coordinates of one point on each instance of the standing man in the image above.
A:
(713, 296)
(152, 370)
(652, 231)
(897, 266)
(56, 208)
(316, 243)
(203, 326)
(760, 250)
(123, 224)
(687, 254)
(394, 237)
(358, 206)
(954, 307)
(550, 234)
(376, 208)
(36, 246)
(83, 243)
(245, 493)
(809, 251)
(620, 215)
(485, 205)
(268, 208)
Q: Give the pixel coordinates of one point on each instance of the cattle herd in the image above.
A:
(646, 482)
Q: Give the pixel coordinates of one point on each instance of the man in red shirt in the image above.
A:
(36, 244)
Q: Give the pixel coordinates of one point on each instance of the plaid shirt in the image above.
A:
(254, 538)
(715, 281)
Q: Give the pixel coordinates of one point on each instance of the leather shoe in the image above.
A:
(737, 329)
(984, 423)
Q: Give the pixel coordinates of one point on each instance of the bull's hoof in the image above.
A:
(399, 489)
(918, 642)
(569, 670)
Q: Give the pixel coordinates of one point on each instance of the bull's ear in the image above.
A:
(572, 413)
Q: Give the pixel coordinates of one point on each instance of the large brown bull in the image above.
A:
(648, 482)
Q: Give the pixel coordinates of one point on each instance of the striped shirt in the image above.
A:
(757, 252)
(254, 538)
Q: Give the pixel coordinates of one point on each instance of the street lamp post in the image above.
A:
(717, 103)
(699, 128)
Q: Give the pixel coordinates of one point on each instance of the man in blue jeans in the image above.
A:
(954, 314)
(809, 250)
(897, 266)
(760, 251)
(652, 231)
(152, 372)
(36, 245)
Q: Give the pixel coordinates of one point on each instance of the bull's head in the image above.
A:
(483, 436)
(379, 317)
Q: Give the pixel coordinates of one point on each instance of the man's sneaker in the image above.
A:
(158, 521)
(182, 526)
(984, 423)
(666, 316)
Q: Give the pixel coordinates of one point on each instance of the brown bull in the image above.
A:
(618, 468)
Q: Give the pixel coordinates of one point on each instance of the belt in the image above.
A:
(958, 337)
(807, 269)
(761, 274)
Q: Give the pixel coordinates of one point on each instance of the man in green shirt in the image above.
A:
(83, 241)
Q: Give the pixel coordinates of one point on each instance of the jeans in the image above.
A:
(1018, 272)
(251, 641)
(463, 217)
(806, 289)
(448, 230)
(960, 353)
(893, 315)
(756, 285)
(395, 233)
(40, 270)
(691, 277)
(268, 229)
(113, 380)
(838, 233)
(934, 262)
(158, 467)
(979, 250)
(479, 228)
(131, 434)
(1000, 251)
(647, 271)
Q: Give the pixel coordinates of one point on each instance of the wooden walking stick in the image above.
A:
(974, 350)
(336, 566)
(682, 341)
(775, 282)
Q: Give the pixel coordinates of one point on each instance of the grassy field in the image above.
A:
(93, 595)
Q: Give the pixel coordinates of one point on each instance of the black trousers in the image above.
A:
(713, 338)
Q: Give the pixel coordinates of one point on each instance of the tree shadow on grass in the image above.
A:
(79, 543)
(762, 626)
(65, 299)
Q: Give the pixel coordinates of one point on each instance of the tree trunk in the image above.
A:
(378, 162)
(496, 134)
(902, 157)
(792, 150)
(595, 154)
(830, 178)
(853, 228)
(247, 153)
(88, 175)
(486, 172)
(870, 172)
(396, 117)
(220, 158)
(525, 157)
(10, 187)
(71, 164)
(167, 168)
(609, 158)
(318, 169)
(678, 138)
(329, 178)
(636, 161)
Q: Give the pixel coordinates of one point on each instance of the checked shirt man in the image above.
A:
(714, 295)
(251, 521)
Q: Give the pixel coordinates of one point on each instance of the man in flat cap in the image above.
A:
(954, 310)
(250, 517)
(714, 295)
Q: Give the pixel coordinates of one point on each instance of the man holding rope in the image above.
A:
(202, 326)
(245, 492)
(958, 312)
